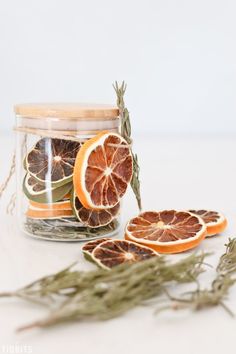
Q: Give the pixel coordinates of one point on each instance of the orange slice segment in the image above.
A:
(52, 161)
(167, 231)
(215, 221)
(91, 245)
(111, 253)
(94, 218)
(103, 169)
(48, 214)
(64, 205)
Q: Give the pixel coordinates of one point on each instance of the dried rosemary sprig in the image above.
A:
(103, 294)
(227, 262)
(220, 286)
(126, 133)
(66, 229)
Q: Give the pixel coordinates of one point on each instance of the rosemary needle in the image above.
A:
(126, 133)
(73, 295)
(216, 294)
(102, 294)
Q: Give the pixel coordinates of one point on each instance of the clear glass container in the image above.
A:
(49, 137)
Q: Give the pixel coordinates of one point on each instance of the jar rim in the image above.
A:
(79, 111)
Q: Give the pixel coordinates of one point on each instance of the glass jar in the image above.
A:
(48, 139)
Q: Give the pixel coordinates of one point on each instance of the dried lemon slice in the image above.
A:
(111, 253)
(215, 221)
(103, 170)
(52, 161)
(167, 231)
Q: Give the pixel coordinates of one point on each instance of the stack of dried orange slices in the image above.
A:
(82, 181)
(48, 181)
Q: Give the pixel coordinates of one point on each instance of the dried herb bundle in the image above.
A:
(126, 133)
(218, 291)
(103, 294)
(73, 295)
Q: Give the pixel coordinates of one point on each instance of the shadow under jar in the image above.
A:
(49, 137)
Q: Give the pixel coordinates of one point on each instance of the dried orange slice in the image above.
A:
(42, 193)
(103, 170)
(48, 213)
(52, 161)
(111, 253)
(167, 231)
(88, 248)
(94, 218)
(215, 221)
(62, 205)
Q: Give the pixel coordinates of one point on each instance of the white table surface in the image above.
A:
(177, 172)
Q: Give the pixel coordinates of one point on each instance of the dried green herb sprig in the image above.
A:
(103, 294)
(219, 289)
(66, 229)
(126, 133)
(227, 262)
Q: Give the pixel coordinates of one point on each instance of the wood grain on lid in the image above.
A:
(78, 111)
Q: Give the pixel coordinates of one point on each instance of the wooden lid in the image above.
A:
(78, 111)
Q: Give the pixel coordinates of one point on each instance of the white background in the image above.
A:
(178, 58)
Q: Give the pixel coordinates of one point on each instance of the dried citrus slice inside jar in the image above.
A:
(42, 193)
(111, 253)
(36, 213)
(215, 221)
(103, 170)
(94, 218)
(61, 205)
(52, 161)
(167, 231)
